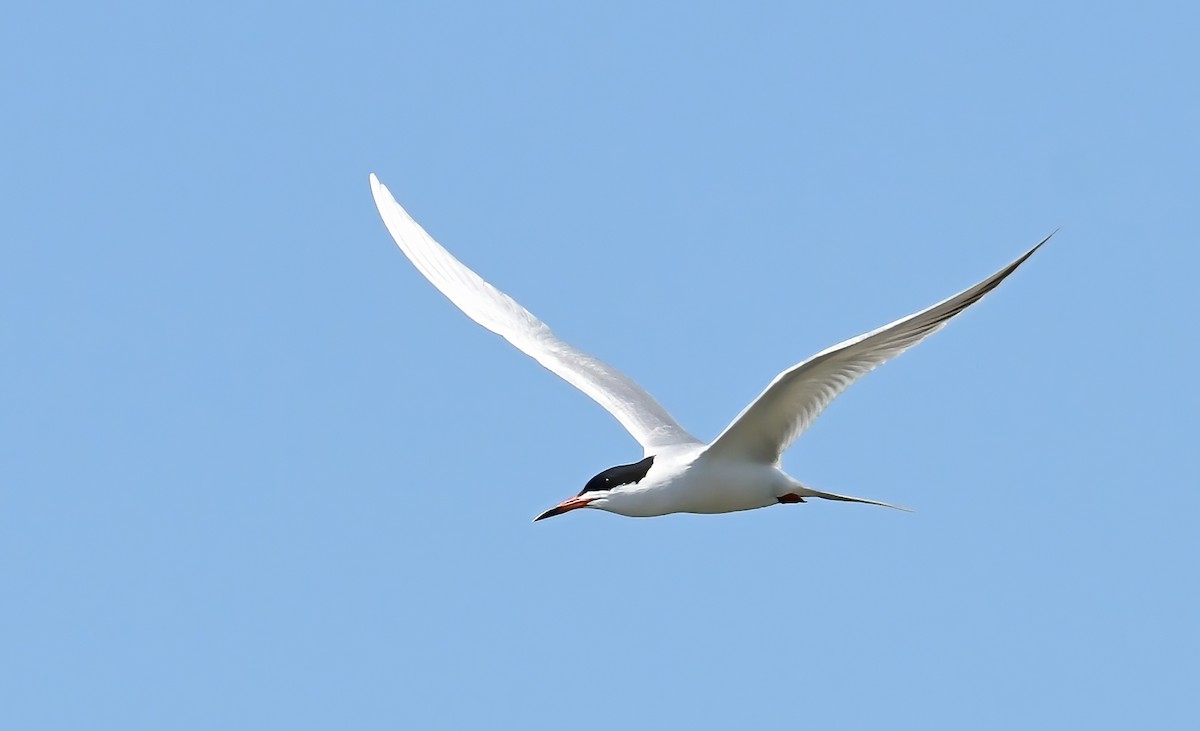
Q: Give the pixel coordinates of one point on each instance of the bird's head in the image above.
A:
(602, 488)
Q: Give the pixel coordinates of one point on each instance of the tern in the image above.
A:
(740, 469)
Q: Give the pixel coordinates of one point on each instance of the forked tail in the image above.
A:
(809, 492)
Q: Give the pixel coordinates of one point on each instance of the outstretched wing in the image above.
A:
(637, 410)
(788, 406)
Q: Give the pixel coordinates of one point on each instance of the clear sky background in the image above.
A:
(256, 473)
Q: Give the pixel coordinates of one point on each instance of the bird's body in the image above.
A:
(684, 480)
(739, 470)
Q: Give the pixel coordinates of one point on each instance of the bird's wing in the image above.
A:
(788, 406)
(646, 420)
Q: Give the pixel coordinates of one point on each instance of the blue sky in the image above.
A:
(255, 472)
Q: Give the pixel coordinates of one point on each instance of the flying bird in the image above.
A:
(739, 470)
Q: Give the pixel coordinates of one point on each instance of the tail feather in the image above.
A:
(809, 492)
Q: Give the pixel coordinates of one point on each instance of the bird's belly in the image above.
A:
(726, 489)
(727, 499)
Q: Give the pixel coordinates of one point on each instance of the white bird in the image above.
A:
(739, 470)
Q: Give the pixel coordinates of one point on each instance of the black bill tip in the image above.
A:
(557, 510)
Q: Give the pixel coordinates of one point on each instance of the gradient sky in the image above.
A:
(256, 473)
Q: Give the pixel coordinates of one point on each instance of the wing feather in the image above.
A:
(633, 407)
(790, 404)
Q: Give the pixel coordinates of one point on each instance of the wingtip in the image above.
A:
(383, 197)
(1012, 267)
(1043, 241)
